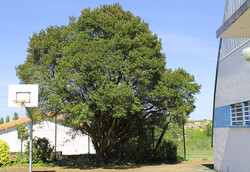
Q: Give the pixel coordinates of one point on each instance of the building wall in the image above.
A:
(10, 136)
(231, 143)
(233, 79)
(68, 141)
(231, 149)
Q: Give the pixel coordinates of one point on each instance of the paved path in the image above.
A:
(187, 166)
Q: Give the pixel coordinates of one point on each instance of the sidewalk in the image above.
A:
(187, 166)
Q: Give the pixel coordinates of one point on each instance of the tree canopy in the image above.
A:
(1, 120)
(105, 72)
(16, 117)
(7, 119)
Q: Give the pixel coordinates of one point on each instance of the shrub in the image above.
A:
(167, 151)
(208, 130)
(137, 149)
(4, 153)
(19, 159)
(42, 150)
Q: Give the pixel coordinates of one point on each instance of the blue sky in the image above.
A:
(187, 30)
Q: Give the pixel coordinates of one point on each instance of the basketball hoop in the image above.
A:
(24, 95)
(19, 105)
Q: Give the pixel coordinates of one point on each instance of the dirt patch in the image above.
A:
(186, 166)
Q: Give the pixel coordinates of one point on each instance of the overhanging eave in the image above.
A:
(238, 25)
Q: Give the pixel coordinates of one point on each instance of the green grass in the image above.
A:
(199, 154)
(198, 144)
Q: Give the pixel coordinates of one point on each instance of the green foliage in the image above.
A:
(16, 117)
(22, 132)
(42, 150)
(1, 120)
(19, 159)
(7, 119)
(196, 139)
(139, 149)
(105, 72)
(167, 151)
(136, 149)
(208, 130)
(4, 153)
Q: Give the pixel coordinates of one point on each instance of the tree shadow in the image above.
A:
(88, 162)
(210, 166)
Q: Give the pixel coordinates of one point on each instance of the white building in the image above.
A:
(231, 116)
(58, 135)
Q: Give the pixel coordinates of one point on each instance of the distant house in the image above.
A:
(55, 132)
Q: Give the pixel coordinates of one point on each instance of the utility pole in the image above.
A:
(31, 131)
(184, 142)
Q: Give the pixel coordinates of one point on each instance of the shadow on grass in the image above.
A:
(88, 162)
(210, 166)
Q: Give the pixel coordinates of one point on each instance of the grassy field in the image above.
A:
(197, 154)
(198, 142)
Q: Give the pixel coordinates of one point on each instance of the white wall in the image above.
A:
(233, 79)
(65, 142)
(10, 136)
(232, 149)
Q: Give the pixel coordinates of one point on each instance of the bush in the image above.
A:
(4, 153)
(42, 150)
(137, 149)
(208, 130)
(167, 151)
(20, 160)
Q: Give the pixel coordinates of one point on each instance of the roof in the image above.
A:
(237, 25)
(13, 123)
(25, 120)
(21, 121)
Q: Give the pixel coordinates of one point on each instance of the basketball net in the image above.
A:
(20, 104)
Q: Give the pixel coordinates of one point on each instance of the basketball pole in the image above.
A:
(31, 131)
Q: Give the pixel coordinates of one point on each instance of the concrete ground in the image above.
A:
(186, 166)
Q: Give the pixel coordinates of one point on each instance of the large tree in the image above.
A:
(105, 72)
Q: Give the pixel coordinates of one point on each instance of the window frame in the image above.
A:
(240, 114)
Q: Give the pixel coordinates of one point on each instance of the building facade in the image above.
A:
(231, 115)
(63, 138)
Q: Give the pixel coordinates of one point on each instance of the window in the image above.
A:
(240, 113)
(247, 112)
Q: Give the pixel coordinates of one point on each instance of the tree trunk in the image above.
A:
(161, 137)
(100, 157)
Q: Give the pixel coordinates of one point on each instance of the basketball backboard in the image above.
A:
(23, 94)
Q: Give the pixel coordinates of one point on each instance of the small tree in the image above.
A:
(16, 117)
(22, 134)
(208, 130)
(1, 121)
(7, 119)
